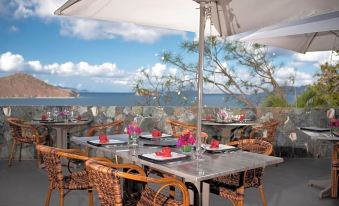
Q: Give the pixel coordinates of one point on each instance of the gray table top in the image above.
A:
(320, 135)
(61, 123)
(192, 170)
(213, 123)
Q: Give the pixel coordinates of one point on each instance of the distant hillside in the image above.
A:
(24, 85)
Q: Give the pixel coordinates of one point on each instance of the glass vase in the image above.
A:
(186, 149)
(133, 139)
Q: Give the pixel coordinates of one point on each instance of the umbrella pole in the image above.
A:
(200, 74)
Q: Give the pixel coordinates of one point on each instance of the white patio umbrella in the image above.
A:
(317, 33)
(228, 17)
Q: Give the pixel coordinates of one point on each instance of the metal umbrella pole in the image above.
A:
(200, 74)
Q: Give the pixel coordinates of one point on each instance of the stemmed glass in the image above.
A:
(202, 148)
(55, 113)
(134, 138)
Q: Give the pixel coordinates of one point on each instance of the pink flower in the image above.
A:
(133, 128)
(186, 138)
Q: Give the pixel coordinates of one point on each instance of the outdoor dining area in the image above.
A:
(142, 158)
(183, 155)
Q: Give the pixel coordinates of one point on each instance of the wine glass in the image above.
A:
(201, 149)
(55, 113)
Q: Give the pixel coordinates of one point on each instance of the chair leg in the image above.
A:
(90, 197)
(61, 197)
(20, 152)
(38, 159)
(48, 198)
(12, 153)
(262, 195)
(334, 184)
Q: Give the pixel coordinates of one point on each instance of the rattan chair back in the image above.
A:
(258, 146)
(24, 133)
(52, 164)
(178, 126)
(57, 179)
(96, 129)
(268, 128)
(105, 178)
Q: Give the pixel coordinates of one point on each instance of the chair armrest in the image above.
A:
(130, 167)
(234, 143)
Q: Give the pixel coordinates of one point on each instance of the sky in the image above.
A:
(100, 56)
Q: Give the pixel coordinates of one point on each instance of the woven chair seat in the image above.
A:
(252, 179)
(148, 195)
(131, 199)
(230, 194)
(77, 181)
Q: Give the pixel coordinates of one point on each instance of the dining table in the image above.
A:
(191, 170)
(62, 128)
(226, 128)
(320, 134)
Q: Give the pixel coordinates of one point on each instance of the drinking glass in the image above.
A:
(55, 113)
(134, 138)
(49, 116)
(200, 151)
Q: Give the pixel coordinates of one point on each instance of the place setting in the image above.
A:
(104, 140)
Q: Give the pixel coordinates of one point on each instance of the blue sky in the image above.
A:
(100, 56)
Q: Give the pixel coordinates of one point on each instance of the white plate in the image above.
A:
(110, 141)
(149, 136)
(220, 148)
(155, 157)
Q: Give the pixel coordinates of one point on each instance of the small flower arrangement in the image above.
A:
(186, 140)
(133, 129)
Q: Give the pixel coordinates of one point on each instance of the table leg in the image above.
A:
(205, 199)
(324, 185)
(194, 191)
(59, 139)
(64, 138)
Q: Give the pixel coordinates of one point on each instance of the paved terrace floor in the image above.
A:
(285, 185)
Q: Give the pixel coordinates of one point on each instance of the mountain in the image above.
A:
(25, 85)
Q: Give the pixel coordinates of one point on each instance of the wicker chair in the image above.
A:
(230, 186)
(105, 178)
(102, 128)
(57, 180)
(266, 130)
(178, 126)
(335, 171)
(24, 134)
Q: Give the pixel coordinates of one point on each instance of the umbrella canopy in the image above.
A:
(317, 33)
(228, 18)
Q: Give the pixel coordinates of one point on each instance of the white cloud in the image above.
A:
(126, 80)
(28, 8)
(301, 78)
(83, 28)
(9, 61)
(316, 58)
(157, 70)
(15, 62)
(13, 29)
(35, 65)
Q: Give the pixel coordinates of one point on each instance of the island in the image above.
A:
(22, 85)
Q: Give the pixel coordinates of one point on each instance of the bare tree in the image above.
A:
(224, 62)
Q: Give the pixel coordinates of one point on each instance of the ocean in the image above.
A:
(115, 99)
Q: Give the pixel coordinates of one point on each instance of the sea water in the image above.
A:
(116, 99)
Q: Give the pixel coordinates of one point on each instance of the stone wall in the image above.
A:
(150, 117)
